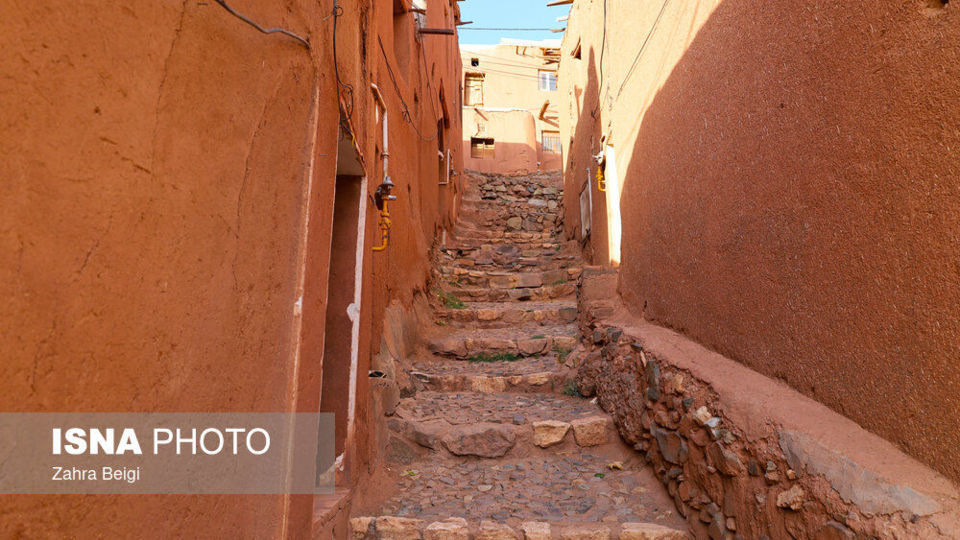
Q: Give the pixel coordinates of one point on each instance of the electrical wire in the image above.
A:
(507, 29)
(407, 116)
(347, 88)
(423, 58)
(636, 59)
(247, 20)
(603, 49)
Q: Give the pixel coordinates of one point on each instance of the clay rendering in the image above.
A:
(579, 270)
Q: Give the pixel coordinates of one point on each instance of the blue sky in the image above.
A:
(509, 14)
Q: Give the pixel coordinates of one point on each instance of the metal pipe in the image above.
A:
(385, 152)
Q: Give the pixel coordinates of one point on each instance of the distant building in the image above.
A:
(510, 124)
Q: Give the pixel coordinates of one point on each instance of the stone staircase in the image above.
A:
(497, 442)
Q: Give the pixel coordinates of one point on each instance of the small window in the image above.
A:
(473, 90)
(551, 141)
(481, 148)
(576, 51)
(548, 80)
(475, 62)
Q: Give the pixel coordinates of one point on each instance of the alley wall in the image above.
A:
(507, 106)
(786, 188)
(167, 188)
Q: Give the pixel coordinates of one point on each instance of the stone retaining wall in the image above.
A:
(735, 473)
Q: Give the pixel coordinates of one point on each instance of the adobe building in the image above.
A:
(192, 223)
(509, 106)
(776, 190)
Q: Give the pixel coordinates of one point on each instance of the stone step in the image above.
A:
(435, 426)
(458, 528)
(544, 381)
(507, 280)
(482, 345)
(508, 314)
(517, 264)
(542, 374)
(470, 232)
(481, 260)
(603, 484)
(520, 294)
(466, 245)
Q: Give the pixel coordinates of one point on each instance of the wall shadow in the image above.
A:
(785, 203)
(580, 168)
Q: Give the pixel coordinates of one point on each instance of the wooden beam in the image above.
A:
(559, 3)
(543, 109)
(439, 31)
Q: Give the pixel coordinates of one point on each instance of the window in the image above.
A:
(473, 89)
(551, 141)
(548, 80)
(475, 62)
(481, 148)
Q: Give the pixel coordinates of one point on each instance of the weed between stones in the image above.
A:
(498, 357)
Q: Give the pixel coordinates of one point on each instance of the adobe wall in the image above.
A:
(169, 176)
(788, 178)
(510, 82)
(515, 135)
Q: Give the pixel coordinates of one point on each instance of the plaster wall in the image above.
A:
(515, 133)
(786, 179)
(168, 197)
(510, 81)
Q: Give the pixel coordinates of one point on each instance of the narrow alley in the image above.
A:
(497, 441)
(480, 270)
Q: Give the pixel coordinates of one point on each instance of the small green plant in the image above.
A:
(562, 352)
(538, 336)
(559, 282)
(450, 301)
(571, 389)
(494, 357)
(599, 475)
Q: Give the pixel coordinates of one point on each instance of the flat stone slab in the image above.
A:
(576, 487)
(482, 440)
(855, 483)
(471, 407)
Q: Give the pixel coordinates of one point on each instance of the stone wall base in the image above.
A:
(744, 456)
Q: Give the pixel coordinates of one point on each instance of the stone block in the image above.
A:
(672, 446)
(726, 461)
(791, 498)
(549, 432)
(590, 431)
(535, 530)
(586, 532)
(491, 530)
(530, 347)
(481, 439)
(449, 346)
(397, 528)
(855, 483)
(529, 279)
(650, 531)
(427, 434)
(449, 529)
(487, 314)
(359, 527)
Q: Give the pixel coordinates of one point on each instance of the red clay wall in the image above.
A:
(156, 159)
(789, 193)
